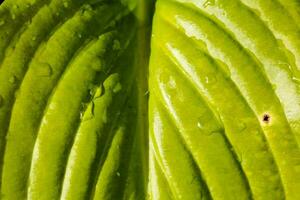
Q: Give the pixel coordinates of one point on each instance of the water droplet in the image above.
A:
(33, 38)
(147, 93)
(199, 125)
(13, 16)
(44, 70)
(118, 174)
(2, 22)
(97, 64)
(210, 79)
(296, 80)
(79, 35)
(1, 101)
(239, 156)
(12, 79)
(89, 113)
(242, 126)
(117, 88)
(208, 3)
(116, 45)
(99, 92)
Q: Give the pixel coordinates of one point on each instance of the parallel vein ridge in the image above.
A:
(69, 88)
(215, 68)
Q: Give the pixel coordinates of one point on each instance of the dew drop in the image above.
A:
(79, 35)
(89, 113)
(239, 156)
(147, 93)
(118, 174)
(44, 70)
(33, 38)
(97, 64)
(210, 79)
(81, 115)
(117, 88)
(296, 80)
(242, 126)
(99, 92)
(199, 125)
(208, 3)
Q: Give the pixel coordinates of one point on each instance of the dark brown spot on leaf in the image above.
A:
(266, 118)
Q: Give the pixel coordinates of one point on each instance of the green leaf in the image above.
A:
(219, 117)
(224, 104)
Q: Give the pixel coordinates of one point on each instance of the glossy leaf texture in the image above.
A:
(224, 110)
(218, 119)
(71, 121)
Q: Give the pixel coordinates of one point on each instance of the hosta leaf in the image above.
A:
(222, 120)
(69, 79)
(224, 104)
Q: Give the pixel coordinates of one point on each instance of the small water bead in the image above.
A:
(89, 113)
(117, 88)
(210, 79)
(208, 3)
(44, 70)
(242, 126)
(239, 156)
(296, 80)
(97, 64)
(147, 93)
(118, 174)
(33, 38)
(199, 125)
(206, 127)
(99, 92)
